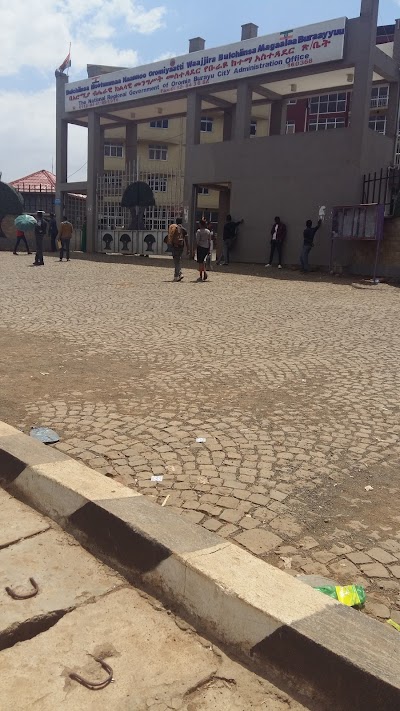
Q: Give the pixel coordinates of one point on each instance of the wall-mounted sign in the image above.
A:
(292, 49)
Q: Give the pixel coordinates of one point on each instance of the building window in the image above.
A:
(378, 123)
(203, 191)
(325, 124)
(290, 127)
(207, 124)
(158, 183)
(112, 150)
(159, 123)
(379, 97)
(292, 102)
(328, 103)
(158, 152)
(253, 128)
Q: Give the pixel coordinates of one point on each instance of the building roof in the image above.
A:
(35, 182)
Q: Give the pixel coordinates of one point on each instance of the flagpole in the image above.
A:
(69, 59)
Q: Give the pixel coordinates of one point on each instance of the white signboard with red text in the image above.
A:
(303, 47)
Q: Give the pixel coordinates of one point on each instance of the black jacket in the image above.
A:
(41, 230)
(309, 234)
(230, 229)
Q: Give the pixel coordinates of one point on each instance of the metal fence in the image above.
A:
(382, 188)
(167, 186)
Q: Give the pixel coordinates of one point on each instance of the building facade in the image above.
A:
(234, 107)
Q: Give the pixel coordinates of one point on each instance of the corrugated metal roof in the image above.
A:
(41, 180)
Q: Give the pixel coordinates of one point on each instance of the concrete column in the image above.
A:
(131, 144)
(100, 162)
(249, 31)
(94, 142)
(243, 111)
(224, 207)
(193, 118)
(364, 67)
(278, 118)
(392, 119)
(61, 141)
(227, 130)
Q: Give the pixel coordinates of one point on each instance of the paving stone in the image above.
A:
(375, 570)
(382, 556)
(231, 516)
(377, 610)
(258, 541)
(395, 570)
(359, 558)
(228, 502)
(212, 524)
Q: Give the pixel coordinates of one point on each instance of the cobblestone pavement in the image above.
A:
(293, 382)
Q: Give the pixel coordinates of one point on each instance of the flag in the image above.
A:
(288, 34)
(67, 61)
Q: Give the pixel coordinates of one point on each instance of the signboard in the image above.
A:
(57, 201)
(257, 57)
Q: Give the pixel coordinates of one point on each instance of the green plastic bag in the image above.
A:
(350, 595)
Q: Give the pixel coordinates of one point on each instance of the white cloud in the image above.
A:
(27, 135)
(38, 34)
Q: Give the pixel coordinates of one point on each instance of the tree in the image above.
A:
(11, 203)
(136, 198)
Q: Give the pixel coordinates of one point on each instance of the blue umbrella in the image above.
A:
(25, 222)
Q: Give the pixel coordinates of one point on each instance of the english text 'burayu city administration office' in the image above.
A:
(255, 174)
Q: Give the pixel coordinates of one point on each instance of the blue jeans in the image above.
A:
(304, 257)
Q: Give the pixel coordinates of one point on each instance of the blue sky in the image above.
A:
(124, 32)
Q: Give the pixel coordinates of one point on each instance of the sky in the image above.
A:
(35, 38)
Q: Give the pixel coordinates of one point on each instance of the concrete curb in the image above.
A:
(332, 655)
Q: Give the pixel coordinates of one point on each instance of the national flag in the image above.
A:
(67, 61)
(288, 34)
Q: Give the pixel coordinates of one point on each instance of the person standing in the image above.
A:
(278, 234)
(229, 237)
(21, 237)
(40, 233)
(177, 240)
(64, 235)
(308, 234)
(203, 240)
(53, 231)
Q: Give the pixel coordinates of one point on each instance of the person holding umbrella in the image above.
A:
(21, 237)
(40, 233)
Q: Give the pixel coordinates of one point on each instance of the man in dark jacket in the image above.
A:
(40, 233)
(278, 234)
(309, 234)
(229, 238)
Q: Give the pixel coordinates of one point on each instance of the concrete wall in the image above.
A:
(290, 176)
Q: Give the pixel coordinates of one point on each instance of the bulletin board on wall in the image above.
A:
(362, 223)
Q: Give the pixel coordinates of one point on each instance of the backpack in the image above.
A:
(175, 236)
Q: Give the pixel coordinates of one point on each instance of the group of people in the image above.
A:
(278, 235)
(60, 237)
(178, 240)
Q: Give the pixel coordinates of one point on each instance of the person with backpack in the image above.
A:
(177, 240)
(229, 238)
(203, 240)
